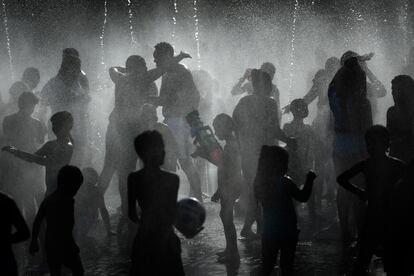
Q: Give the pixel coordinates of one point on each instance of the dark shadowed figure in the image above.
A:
(399, 240)
(275, 191)
(69, 91)
(302, 159)
(89, 204)
(351, 117)
(11, 218)
(409, 68)
(156, 249)
(53, 155)
(400, 118)
(244, 85)
(178, 97)
(58, 211)
(22, 180)
(134, 85)
(381, 173)
(257, 124)
(149, 121)
(229, 180)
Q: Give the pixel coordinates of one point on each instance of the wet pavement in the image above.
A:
(318, 253)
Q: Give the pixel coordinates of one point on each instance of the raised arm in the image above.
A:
(344, 180)
(104, 213)
(298, 194)
(239, 88)
(156, 73)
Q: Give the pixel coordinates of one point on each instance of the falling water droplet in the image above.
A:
(174, 18)
(102, 36)
(196, 34)
(6, 30)
(131, 27)
(292, 48)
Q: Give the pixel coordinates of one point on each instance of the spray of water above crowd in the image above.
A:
(224, 38)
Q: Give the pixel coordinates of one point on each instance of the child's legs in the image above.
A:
(226, 215)
(54, 262)
(366, 251)
(127, 166)
(74, 263)
(287, 255)
(270, 250)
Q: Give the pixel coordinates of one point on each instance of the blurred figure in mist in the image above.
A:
(400, 118)
(89, 204)
(134, 85)
(28, 83)
(13, 229)
(156, 249)
(256, 117)
(409, 68)
(54, 154)
(244, 85)
(149, 121)
(22, 180)
(229, 180)
(321, 126)
(178, 97)
(57, 210)
(302, 159)
(352, 116)
(69, 91)
(375, 88)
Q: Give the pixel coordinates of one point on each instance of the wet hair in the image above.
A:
(30, 72)
(62, 119)
(298, 104)
(69, 180)
(378, 133)
(90, 175)
(269, 68)
(226, 121)
(165, 49)
(27, 99)
(404, 95)
(262, 83)
(134, 61)
(149, 146)
(270, 159)
(347, 55)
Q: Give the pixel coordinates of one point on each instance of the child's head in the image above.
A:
(402, 87)
(273, 160)
(90, 176)
(27, 102)
(69, 180)
(299, 108)
(149, 146)
(377, 139)
(31, 77)
(62, 123)
(223, 126)
(148, 114)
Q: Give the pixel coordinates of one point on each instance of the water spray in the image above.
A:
(174, 18)
(6, 30)
(131, 28)
(292, 48)
(196, 34)
(102, 36)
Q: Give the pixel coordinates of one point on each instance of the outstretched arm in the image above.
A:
(378, 89)
(28, 157)
(344, 180)
(304, 194)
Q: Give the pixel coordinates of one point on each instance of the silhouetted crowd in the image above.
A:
(262, 167)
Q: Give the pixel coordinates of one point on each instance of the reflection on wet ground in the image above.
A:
(319, 251)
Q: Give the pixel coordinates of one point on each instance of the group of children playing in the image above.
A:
(156, 251)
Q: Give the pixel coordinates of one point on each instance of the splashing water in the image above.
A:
(196, 34)
(292, 49)
(102, 36)
(131, 28)
(404, 21)
(174, 18)
(6, 30)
